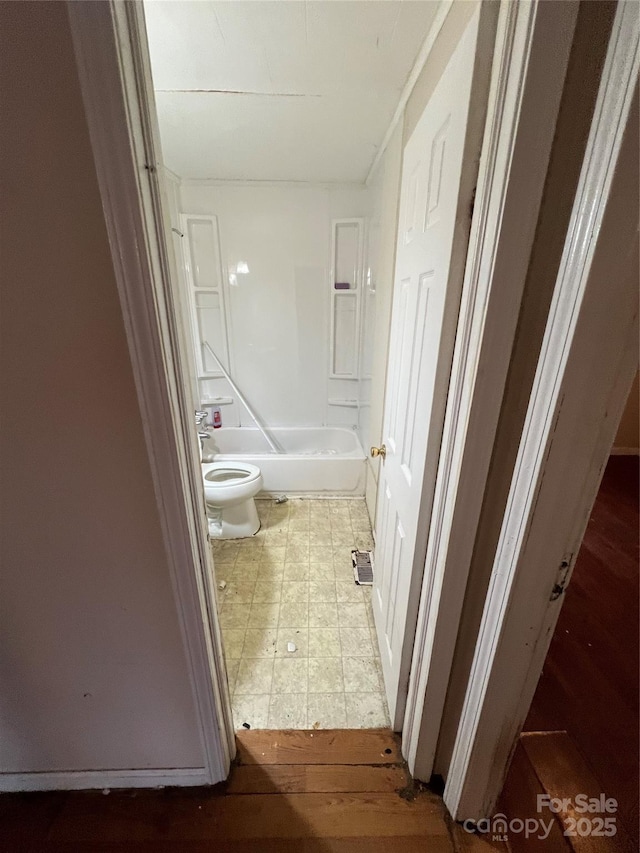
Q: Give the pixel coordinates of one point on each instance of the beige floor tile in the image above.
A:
(234, 615)
(239, 592)
(275, 538)
(297, 552)
(352, 616)
(322, 571)
(299, 535)
(255, 675)
(326, 711)
(263, 615)
(349, 591)
(226, 560)
(294, 614)
(276, 524)
(244, 572)
(343, 572)
(320, 536)
(296, 571)
(288, 711)
(342, 560)
(322, 591)
(248, 557)
(249, 545)
(365, 711)
(356, 642)
(343, 539)
(361, 675)
(290, 675)
(295, 591)
(299, 507)
(298, 636)
(273, 555)
(325, 675)
(226, 546)
(374, 641)
(299, 525)
(319, 511)
(253, 710)
(271, 573)
(259, 643)
(232, 665)
(363, 541)
(324, 643)
(267, 591)
(233, 641)
(323, 614)
(320, 553)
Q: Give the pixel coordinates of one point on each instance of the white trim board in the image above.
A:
(530, 59)
(113, 66)
(86, 780)
(587, 364)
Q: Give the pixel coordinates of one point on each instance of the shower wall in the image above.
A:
(275, 253)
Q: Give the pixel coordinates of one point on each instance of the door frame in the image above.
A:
(587, 363)
(531, 55)
(110, 44)
(113, 65)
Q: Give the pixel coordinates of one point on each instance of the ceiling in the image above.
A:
(280, 90)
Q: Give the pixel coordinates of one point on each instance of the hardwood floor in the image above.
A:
(589, 686)
(348, 790)
(290, 792)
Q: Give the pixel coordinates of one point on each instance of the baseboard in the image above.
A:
(84, 780)
(625, 451)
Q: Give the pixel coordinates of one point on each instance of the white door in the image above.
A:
(424, 314)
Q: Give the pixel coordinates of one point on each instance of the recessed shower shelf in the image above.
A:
(217, 401)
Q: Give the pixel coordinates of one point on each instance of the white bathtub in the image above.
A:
(317, 460)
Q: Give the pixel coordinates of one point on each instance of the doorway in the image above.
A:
(281, 292)
(523, 68)
(587, 693)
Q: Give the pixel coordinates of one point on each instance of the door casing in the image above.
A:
(111, 51)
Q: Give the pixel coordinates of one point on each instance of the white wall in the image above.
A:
(92, 666)
(278, 313)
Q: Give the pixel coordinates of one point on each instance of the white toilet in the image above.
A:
(229, 490)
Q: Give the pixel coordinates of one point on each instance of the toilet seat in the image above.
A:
(229, 473)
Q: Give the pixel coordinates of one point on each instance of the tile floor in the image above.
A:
(293, 582)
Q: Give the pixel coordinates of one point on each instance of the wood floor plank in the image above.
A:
(244, 817)
(390, 844)
(519, 800)
(315, 778)
(563, 773)
(329, 746)
(589, 685)
(468, 842)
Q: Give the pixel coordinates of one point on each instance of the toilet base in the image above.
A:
(234, 522)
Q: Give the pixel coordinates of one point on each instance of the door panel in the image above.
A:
(419, 362)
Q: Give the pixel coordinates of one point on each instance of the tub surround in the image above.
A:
(275, 246)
